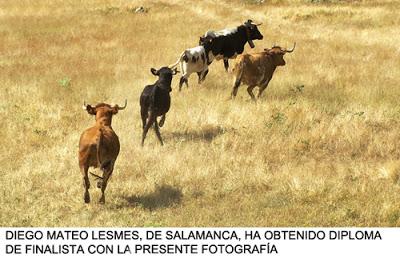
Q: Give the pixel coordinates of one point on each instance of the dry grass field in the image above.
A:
(320, 148)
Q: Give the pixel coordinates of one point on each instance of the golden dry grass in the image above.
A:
(326, 154)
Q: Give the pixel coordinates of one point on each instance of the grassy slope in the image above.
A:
(322, 155)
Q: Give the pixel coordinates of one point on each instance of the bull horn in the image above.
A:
(84, 107)
(122, 108)
(255, 23)
(291, 50)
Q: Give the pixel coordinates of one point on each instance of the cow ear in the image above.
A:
(91, 110)
(175, 71)
(269, 52)
(114, 109)
(154, 71)
(201, 40)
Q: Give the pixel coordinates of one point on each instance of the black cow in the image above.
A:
(229, 43)
(155, 100)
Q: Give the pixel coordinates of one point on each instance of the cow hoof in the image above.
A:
(86, 198)
(102, 200)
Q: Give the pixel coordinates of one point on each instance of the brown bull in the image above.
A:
(257, 69)
(99, 147)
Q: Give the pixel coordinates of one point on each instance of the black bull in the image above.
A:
(228, 45)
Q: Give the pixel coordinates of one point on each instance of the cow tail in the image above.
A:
(99, 164)
(179, 60)
(98, 146)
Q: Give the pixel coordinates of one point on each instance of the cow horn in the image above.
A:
(291, 50)
(84, 107)
(121, 108)
(254, 23)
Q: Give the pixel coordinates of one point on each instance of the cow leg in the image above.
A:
(199, 75)
(144, 114)
(162, 120)
(187, 82)
(149, 123)
(107, 171)
(86, 183)
(235, 88)
(183, 79)
(226, 64)
(158, 132)
(203, 77)
(262, 88)
(250, 91)
(260, 91)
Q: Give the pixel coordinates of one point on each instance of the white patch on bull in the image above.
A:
(210, 33)
(218, 33)
(187, 68)
(191, 55)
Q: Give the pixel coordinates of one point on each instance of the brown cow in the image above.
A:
(99, 146)
(257, 69)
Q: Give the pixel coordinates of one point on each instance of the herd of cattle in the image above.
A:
(99, 145)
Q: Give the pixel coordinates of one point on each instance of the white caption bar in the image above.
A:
(196, 242)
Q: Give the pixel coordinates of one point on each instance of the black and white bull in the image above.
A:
(228, 43)
(194, 60)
